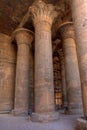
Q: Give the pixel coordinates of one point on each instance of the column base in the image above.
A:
(81, 124)
(77, 111)
(45, 117)
(5, 111)
(74, 112)
(20, 112)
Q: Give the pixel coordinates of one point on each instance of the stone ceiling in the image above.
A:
(12, 12)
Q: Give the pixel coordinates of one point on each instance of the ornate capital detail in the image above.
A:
(41, 11)
(66, 30)
(23, 36)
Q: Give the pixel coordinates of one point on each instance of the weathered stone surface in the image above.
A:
(71, 67)
(57, 83)
(45, 117)
(44, 89)
(7, 73)
(79, 11)
(31, 81)
(81, 124)
(12, 12)
(63, 78)
(24, 38)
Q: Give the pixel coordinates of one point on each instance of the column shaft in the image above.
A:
(44, 88)
(72, 76)
(79, 11)
(22, 80)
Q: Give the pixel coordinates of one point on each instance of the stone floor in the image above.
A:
(8, 122)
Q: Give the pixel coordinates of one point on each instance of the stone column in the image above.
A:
(24, 38)
(71, 68)
(43, 16)
(79, 12)
(61, 55)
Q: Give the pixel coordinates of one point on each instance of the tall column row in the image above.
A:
(43, 16)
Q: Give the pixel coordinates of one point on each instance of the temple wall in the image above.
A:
(8, 55)
(7, 73)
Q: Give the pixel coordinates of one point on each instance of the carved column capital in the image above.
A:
(42, 12)
(66, 30)
(23, 36)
